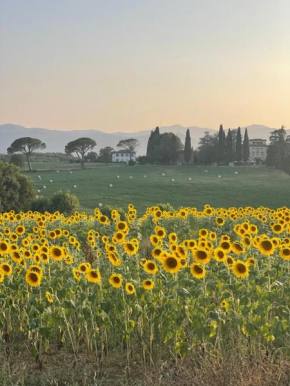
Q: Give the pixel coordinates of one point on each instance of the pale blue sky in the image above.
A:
(131, 64)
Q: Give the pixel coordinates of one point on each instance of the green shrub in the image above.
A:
(18, 160)
(64, 202)
(16, 191)
(131, 162)
(41, 205)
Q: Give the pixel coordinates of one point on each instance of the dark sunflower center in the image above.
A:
(33, 277)
(6, 268)
(241, 268)
(151, 266)
(202, 255)
(57, 252)
(286, 252)
(116, 279)
(198, 269)
(171, 262)
(148, 282)
(130, 247)
(267, 245)
(94, 275)
(239, 247)
(3, 247)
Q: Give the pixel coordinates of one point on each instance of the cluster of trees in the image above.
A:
(16, 190)
(17, 193)
(163, 148)
(166, 148)
(223, 148)
(82, 148)
(278, 154)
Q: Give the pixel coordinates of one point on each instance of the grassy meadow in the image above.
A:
(177, 185)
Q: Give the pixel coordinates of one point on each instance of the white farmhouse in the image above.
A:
(123, 156)
(258, 150)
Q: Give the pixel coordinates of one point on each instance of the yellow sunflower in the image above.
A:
(266, 247)
(219, 221)
(20, 230)
(173, 238)
(130, 248)
(202, 255)
(157, 253)
(237, 248)
(4, 247)
(84, 267)
(76, 274)
(6, 269)
(33, 279)
(116, 280)
(150, 267)
(171, 264)
(56, 253)
(148, 284)
(160, 232)
(122, 226)
(225, 245)
(285, 252)
(197, 271)
(130, 289)
(49, 297)
(119, 237)
(240, 269)
(93, 276)
(35, 268)
(154, 240)
(113, 258)
(219, 254)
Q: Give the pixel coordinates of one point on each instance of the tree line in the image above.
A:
(82, 148)
(223, 148)
(167, 148)
(278, 154)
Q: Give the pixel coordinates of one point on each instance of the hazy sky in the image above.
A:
(126, 65)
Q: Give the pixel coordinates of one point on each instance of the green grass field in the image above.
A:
(253, 186)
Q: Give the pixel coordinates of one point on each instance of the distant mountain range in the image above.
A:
(57, 139)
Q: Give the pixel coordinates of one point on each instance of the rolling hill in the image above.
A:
(57, 139)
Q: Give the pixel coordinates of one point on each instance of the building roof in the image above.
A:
(257, 139)
(124, 152)
(261, 145)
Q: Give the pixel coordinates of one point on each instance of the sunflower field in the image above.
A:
(164, 284)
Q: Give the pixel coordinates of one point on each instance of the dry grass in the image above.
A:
(62, 369)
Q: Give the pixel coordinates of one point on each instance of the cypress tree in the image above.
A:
(155, 145)
(221, 145)
(229, 147)
(239, 155)
(246, 147)
(149, 146)
(187, 147)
